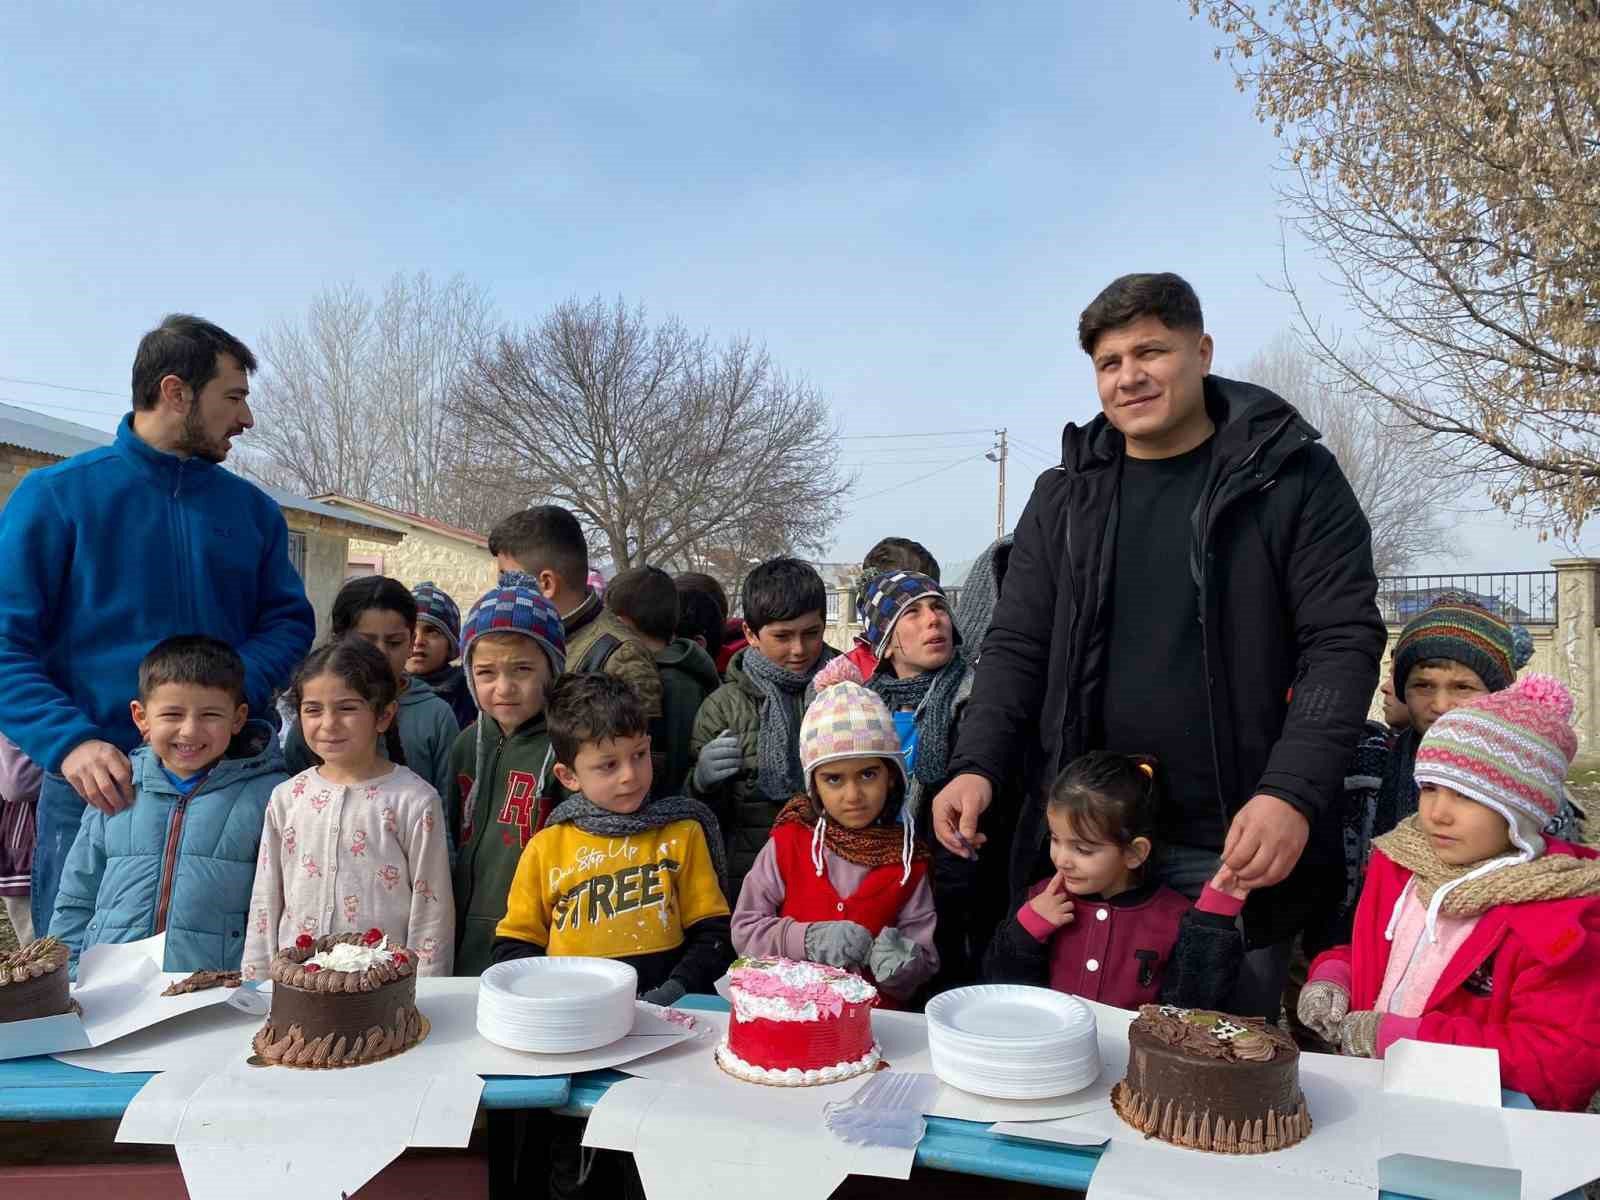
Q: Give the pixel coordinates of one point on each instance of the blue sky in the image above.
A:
(909, 205)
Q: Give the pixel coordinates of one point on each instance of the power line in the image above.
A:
(38, 404)
(918, 478)
(862, 437)
(1048, 455)
(61, 387)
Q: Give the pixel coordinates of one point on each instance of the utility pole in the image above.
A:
(998, 456)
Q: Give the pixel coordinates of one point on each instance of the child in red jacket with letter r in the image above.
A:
(1473, 928)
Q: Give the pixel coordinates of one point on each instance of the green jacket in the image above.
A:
(631, 660)
(506, 813)
(688, 676)
(745, 815)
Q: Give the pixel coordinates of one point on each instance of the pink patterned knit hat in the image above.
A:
(846, 721)
(1508, 750)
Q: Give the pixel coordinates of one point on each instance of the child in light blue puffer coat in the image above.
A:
(182, 857)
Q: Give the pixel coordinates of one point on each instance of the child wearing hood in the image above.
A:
(843, 880)
(1474, 928)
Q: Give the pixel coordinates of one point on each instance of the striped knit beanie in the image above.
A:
(846, 721)
(1458, 628)
(434, 607)
(516, 608)
(1509, 751)
(887, 598)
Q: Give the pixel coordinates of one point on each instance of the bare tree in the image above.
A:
(1404, 483)
(355, 398)
(665, 445)
(1441, 156)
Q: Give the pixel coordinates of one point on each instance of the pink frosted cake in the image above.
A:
(795, 1024)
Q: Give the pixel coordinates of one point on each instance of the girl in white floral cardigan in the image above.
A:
(359, 842)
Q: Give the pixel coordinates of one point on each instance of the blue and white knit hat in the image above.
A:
(886, 600)
(516, 608)
(435, 608)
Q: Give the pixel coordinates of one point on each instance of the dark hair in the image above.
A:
(699, 617)
(362, 668)
(547, 538)
(195, 659)
(900, 554)
(583, 709)
(1165, 296)
(1108, 797)
(708, 586)
(187, 347)
(783, 589)
(371, 592)
(648, 598)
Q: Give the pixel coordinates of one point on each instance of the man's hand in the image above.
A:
(100, 773)
(1265, 841)
(1054, 904)
(956, 810)
(1226, 882)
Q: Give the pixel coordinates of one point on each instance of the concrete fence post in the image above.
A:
(1575, 651)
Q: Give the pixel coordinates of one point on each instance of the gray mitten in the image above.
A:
(1322, 1008)
(892, 951)
(719, 761)
(838, 944)
(666, 994)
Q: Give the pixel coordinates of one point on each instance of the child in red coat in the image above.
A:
(1097, 927)
(1473, 928)
(841, 880)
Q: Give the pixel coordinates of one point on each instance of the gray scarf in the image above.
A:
(932, 696)
(653, 814)
(782, 704)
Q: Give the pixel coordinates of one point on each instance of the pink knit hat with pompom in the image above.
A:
(1508, 750)
(846, 721)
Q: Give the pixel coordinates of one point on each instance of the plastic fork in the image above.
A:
(885, 1111)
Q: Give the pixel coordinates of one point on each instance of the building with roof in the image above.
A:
(319, 534)
(456, 559)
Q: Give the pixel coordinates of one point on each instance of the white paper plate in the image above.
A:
(995, 1014)
(556, 1005)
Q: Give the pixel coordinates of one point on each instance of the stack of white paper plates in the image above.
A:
(556, 1005)
(1013, 1043)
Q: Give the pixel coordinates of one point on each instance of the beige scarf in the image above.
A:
(1549, 877)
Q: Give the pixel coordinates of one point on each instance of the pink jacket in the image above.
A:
(1525, 983)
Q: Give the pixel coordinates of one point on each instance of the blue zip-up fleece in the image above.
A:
(186, 866)
(104, 555)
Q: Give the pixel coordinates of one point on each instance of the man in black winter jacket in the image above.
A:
(1195, 582)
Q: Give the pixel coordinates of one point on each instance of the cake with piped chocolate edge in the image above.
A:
(1210, 1081)
(797, 1024)
(33, 981)
(341, 1000)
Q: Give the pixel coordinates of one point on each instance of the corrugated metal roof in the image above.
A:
(410, 518)
(28, 430)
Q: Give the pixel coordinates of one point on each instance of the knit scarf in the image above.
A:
(932, 696)
(878, 845)
(782, 701)
(1397, 792)
(1549, 877)
(653, 814)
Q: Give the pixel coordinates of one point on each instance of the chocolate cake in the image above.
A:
(33, 981)
(341, 1001)
(1212, 1081)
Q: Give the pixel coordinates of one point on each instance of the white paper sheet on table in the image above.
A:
(903, 1038)
(119, 992)
(696, 1141)
(211, 1040)
(324, 1132)
(1357, 1122)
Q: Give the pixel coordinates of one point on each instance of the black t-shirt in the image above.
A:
(1155, 695)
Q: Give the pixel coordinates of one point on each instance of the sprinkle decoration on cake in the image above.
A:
(796, 1024)
(1210, 1081)
(341, 1000)
(33, 981)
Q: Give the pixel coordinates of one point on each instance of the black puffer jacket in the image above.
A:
(1282, 557)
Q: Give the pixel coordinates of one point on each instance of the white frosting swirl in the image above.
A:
(354, 957)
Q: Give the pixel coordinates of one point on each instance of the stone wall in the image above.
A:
(463, 569)
(16, 463)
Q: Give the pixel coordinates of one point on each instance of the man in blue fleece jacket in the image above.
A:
(108, 553)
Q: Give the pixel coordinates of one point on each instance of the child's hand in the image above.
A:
(1226, 882)
(1054, 904)
(719, 761)
(841, 944)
